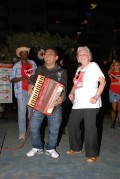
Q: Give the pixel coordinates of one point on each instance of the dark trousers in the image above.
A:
(90, 131)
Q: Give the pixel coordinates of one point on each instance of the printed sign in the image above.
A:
(5, 85)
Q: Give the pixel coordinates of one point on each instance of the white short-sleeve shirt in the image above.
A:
(89, 87)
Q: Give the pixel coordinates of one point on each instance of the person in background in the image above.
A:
(104, 66)
(114, 92)
(52, 70)
(21, 74)
(62, 64)
(86, 98)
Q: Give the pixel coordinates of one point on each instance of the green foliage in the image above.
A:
(5, 56)
(36, 41)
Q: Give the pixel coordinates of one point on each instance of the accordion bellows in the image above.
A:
(45, 93)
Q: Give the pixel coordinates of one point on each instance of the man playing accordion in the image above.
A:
(52, 70)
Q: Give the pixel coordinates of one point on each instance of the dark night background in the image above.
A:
(94, 23)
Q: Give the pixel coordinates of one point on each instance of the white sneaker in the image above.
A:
(21, 136)
(34, 151)
(52, 153)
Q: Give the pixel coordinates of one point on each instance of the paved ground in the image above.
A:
(15, 165)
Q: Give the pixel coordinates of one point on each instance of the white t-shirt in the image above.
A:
(89, 87)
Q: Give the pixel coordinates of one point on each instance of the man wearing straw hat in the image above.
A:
(21, 74)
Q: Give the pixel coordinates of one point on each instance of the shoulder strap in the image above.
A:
(59, 73)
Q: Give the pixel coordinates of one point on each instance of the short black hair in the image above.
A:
(52, 48)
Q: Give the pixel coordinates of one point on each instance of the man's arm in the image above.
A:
(13, 80)
(64, 82)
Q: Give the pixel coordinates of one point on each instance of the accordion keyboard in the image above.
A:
(36, 90)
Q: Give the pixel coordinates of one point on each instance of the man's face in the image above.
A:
(50, 57)
(24, 55)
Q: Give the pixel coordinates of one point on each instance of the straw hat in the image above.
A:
(22, 49)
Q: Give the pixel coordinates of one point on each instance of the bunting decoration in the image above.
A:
(40, 54)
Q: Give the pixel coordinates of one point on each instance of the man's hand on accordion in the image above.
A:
(59, 101)
(30, 89)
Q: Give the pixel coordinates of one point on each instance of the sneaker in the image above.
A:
(34, 151)
(21, 136)
(118, 127)
(52, 153)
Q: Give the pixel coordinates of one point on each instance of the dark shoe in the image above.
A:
(112, 126)
(118, 127)
(71, 152)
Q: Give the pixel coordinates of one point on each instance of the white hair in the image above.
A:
(87, 50)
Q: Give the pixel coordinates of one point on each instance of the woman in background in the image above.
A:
(114, 92)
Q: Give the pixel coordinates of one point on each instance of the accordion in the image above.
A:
(45, 93)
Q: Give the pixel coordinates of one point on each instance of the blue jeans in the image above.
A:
(54, 122)
(22, 110)
(113, 97)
